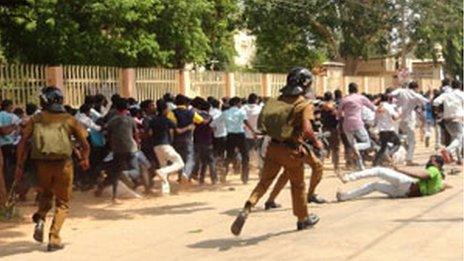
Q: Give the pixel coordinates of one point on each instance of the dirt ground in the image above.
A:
(194, 225)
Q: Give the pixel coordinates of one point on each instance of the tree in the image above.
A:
(119, 32)
(219, 25)
(305, 32)
(82, 32)
(439, 22)
(348, 30)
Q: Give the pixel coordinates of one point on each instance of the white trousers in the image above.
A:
(455, 129)
(408, 129)
(397, 184)
(166, 154)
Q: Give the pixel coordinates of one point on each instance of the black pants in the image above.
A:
(385, 138)
(334, 145)
(9, 164)
(219, 147)
(204, 158)
(238, 141)
(121, 162)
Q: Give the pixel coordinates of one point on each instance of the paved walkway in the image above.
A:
(195, 226)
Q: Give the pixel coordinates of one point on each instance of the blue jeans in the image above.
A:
(185, 150)
(359, 140)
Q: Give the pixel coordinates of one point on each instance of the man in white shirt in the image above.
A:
(445, 85)
(453, 114)
(220, 133)
(385, 118)
(83, 116)
(252, 109)
(407, 100)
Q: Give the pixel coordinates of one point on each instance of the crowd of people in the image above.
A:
(134, 144)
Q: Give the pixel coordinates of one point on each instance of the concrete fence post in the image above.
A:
(266, 85)
(128, 82)
(54, 76)
(184, 82)
(230, 84)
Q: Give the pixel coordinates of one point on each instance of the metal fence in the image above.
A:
(21, 82)
(276, 82)
(153, 83)
(246, 83)
(207, 83)
(79, 81)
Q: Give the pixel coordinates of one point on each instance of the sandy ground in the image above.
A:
(194, 225)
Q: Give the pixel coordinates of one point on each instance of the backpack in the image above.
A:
(276, 121)
(50, 141)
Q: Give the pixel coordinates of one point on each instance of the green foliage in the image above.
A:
(310, 31)
(305, 32)
(439, 22)
(129, 33)
(219, 25)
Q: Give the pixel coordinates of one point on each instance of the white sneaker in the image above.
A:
(165, 188)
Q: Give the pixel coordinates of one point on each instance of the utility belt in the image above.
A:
(289, 144)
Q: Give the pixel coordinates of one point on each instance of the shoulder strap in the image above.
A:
(299, 102)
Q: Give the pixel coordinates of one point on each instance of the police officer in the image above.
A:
(50, 132)
(288, 154)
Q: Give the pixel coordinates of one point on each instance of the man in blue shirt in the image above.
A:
(8, 120)
(236, 119)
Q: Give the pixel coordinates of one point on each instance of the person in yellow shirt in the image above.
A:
(184, 118)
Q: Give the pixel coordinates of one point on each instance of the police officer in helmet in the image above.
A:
(288, 153)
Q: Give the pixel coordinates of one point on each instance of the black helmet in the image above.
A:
(52, 99)
(298, 79)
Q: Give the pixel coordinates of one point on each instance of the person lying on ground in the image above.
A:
(399, 183)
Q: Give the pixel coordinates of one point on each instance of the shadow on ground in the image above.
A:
(234, 212)
(225, 244)
(20, 247)
(107, 213)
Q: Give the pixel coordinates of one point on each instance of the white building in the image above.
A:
(245, 48)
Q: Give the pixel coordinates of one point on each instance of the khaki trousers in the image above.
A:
(317, 168)
(291, 160)
(54, 179)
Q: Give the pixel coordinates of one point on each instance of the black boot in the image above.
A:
(316, 199)
(38, 229)
(270, 205)
(237, 226)
(310, 221)
(54, 247)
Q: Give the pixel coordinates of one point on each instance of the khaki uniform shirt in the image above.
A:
(74, 127)
(303, 110)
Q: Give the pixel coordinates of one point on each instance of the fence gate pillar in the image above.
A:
(184, 82)
(128, 82)
(266, 85)
(230, 84)
(54, 76)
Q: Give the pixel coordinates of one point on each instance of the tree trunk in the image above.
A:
(3, 193)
